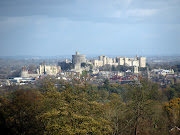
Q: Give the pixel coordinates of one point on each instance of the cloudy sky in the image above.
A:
(92, 27)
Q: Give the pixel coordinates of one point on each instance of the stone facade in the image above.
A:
(76, 59)
(43, 69)
(103, 60)
(50, 70)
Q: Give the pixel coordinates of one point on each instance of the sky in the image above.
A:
(92, 27)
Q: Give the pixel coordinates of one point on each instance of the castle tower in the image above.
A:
(101, 58)
(78, 58)
(77, 53)
(24, 72)
(142, 61)
(136, 70)
(104, 60)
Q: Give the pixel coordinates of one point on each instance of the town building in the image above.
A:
(163, 72)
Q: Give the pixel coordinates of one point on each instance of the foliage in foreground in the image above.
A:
(81, 108)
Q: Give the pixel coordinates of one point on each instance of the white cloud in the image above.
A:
(141, 12)
(128, 2)
(117, 14)
(138, 13)
(122, 3)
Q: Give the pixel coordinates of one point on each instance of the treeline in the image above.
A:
(81, 108)
(174, 65)
(120, 68)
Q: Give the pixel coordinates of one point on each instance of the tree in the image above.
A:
(106, 67)
(19, 113)
(173, 91)
(142, 113)
(71, 112)
(115, 112)
(106, 84)
(32, 68)
(172, 108)
(113, 68)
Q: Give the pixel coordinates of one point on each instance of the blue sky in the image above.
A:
(92, 27)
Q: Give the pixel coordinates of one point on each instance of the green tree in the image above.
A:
(19, 113)
(115, 112)
(71, 112)
(113, 68)
(172, 108)
(142, 113)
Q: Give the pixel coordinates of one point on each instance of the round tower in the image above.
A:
(76, 59)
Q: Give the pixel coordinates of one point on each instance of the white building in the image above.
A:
(163, 72)
(103, 60)
(43, 69)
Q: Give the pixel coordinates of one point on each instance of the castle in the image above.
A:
(78, 59)
(42, 70)
(136, 62)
